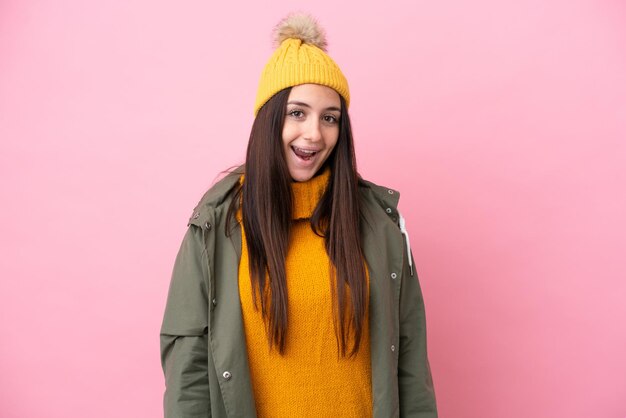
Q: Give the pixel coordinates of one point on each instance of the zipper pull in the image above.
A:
(408, 242)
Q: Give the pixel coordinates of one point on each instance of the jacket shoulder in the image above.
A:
(385, 196)
(214, 197)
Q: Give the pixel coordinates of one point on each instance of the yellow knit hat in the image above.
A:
(300, 58)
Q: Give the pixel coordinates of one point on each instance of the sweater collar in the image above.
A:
(307, 194)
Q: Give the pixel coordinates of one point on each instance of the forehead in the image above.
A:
(315, 95)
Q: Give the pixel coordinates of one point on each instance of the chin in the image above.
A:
(303, 175)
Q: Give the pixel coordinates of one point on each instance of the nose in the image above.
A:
(313, 130)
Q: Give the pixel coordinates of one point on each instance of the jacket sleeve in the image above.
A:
(183, 337)
(416, 390)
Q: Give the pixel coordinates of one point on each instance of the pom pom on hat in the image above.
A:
(300, 58)
(300, 26)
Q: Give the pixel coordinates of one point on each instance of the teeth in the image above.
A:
(305, 151)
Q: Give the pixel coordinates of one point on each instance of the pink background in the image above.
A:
(503, 124)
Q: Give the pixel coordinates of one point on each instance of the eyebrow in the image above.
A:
(306, 105)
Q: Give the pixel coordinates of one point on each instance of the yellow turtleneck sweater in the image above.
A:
(310, 379)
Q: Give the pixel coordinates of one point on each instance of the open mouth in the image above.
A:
(304, 154)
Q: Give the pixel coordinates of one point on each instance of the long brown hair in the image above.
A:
(266, 204)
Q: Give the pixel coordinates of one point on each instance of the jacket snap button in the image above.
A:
(214, 302)
(390, 191)
(394, 275)
(207, 226)
(393, 348)
(388, 210)
(227, 375)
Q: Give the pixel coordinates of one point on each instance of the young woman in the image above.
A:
(294, 292)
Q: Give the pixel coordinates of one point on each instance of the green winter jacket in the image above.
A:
(203, 348)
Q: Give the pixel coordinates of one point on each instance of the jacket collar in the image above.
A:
(215, 196)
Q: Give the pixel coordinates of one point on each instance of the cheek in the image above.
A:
(333, 138)
(289, 133)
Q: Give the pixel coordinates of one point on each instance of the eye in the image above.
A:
(330, 118)
(296, 113)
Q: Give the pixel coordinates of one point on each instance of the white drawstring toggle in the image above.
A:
(408, 242)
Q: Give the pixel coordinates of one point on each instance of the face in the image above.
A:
(311, 128)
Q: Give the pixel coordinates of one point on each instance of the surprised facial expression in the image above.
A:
(311, 128)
